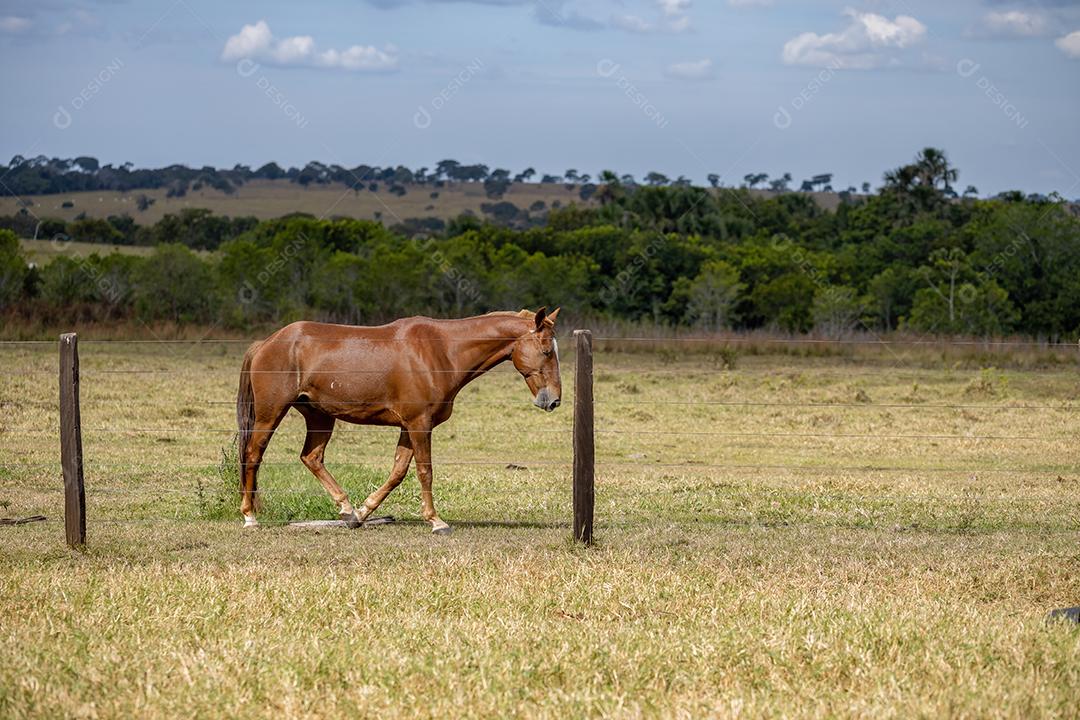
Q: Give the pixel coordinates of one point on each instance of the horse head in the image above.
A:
(536, 357)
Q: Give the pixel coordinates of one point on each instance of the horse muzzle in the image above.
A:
(546, 401)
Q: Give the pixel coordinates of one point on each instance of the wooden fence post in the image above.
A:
(71, 457)
(584, 448)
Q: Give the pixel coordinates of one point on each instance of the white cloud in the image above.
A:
(632, 23)
(1070, 44)
(674, 8)
(869, 41)
(634, 16)
(675, 14)
(257, 42)
(13, 24)
(672, 18)
(691, 70)
(1015, 22)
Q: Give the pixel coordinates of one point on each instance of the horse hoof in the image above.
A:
(350, 519)
(250, 521)
(443, 529)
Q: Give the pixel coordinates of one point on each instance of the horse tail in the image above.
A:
(245, 408)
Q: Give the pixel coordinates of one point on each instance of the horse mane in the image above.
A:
(524, 314)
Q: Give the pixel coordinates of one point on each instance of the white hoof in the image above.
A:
(440, 528)
(250, 521)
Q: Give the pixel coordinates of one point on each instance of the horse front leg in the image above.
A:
(402, 458)
(421, 442)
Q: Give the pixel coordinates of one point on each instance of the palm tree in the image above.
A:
(933, 168)
(610, 188)
(902, 179)
(903, 185)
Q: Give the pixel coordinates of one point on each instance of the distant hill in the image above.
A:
(265, 199)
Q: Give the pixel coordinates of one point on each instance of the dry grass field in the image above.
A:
(266, 199)
(44, 251)
(874, 535)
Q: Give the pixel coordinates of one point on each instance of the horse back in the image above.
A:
(356, 373)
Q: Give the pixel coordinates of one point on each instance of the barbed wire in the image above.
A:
(729, 403)
(845, 341)
(269, 341)
(871, 342)
(351, 429)
(502, 369)
(345, 428)
(642, 465)
(131, 403)
(777, 372)
(601, 400)
(631, 524)
(765, 492)
(849, 404)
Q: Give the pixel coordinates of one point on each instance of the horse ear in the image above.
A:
(553, 314)
(540, 315)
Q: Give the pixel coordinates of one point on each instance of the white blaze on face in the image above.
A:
(555, 344)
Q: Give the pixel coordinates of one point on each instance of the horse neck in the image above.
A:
(487, 342)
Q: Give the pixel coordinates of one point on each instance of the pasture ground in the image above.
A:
(889, 551)
(44, 251)
(267, 199)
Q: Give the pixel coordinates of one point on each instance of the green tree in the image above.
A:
(945, 274)
(983, 309)
(94, 230)
(890, 295)
(656, 179)
(933, 169)
(64, 284)
(173, 284)
(339, 291)
(785, 302)
(837, 310)
(13, 269)
(712, 295)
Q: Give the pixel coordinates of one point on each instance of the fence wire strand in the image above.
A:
(640, 465)
(715, 340)
(171, 432)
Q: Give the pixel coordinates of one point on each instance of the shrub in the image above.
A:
(13, 269)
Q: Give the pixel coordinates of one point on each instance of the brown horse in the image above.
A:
(405, 374)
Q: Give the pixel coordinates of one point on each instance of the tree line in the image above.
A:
(912, 256)
(42, 175)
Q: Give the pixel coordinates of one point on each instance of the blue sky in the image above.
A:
(686, 87)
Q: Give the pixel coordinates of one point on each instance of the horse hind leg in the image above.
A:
(402, 458)
(320, 427)
(261, 432)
